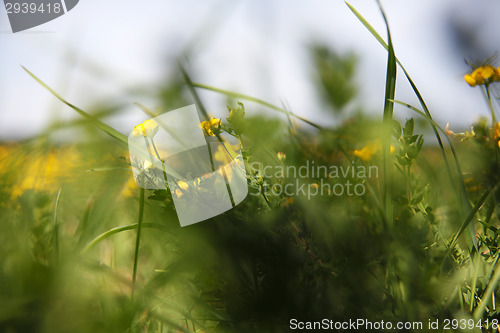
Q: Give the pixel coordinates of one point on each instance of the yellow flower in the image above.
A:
(366, 153)
(148, 128)
(281, 156)
(211, 127)
(483, 75)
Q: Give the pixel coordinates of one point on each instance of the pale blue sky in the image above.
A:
(254, 47)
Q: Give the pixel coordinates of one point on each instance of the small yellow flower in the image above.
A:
(366, 153)
(148, 128)
(211, 127)
(281, 156)
(483, 75)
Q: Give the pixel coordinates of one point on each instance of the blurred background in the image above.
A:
(108, 55)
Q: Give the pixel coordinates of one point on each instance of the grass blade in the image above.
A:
(197, 99)
(106, 128)
(463, 202)
(56, 226)
(255, 100)
(492, 285)
(390, 90)
(116, 230)
(138, 239)
(471, 215)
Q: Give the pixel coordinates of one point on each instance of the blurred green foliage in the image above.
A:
(335, 75)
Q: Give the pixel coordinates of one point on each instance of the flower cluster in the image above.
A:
(211, 127)
(483, 75)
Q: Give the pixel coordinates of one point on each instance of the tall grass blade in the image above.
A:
(390, 90)
(138, 239)
(485, 299)
(255, 100)
(471, 215)
(116, 230)
(56, 226)
(463, 203)
(106, 128)
(197, 99)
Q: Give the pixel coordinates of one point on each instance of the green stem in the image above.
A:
(408, 185)
(408, 189)
(56, 226)
(490, 105)
(249, 170)
(160, 160)
(138, 239)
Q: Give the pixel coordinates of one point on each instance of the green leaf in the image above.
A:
(409, 127)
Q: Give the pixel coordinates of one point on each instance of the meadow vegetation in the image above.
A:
(84, 249)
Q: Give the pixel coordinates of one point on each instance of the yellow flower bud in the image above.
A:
(470, 80)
